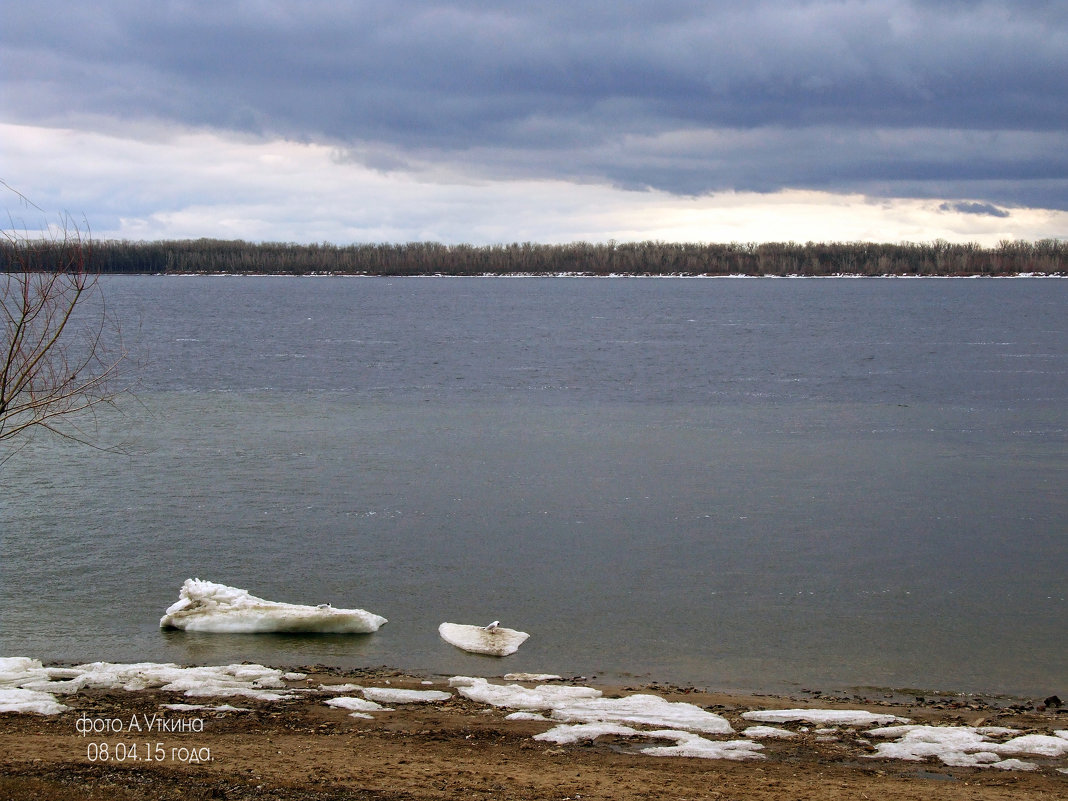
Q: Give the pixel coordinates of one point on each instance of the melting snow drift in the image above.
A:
(491, 640)
(209, 607)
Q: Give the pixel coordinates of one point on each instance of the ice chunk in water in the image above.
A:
(492, 640)
(209, 607)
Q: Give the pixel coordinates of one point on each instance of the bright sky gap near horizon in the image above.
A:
(486, 122)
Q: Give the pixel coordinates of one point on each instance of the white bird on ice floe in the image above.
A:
(492, 626)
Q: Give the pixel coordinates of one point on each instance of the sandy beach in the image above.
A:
(301, 748)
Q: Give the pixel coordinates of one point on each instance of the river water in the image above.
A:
(759, 484)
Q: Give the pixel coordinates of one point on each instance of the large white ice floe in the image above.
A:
(492, 640)
(834, 717)
(209, 607)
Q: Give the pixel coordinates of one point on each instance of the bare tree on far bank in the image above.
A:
(58, 360)
(941, 258)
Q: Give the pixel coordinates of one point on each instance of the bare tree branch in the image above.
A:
(58, 358)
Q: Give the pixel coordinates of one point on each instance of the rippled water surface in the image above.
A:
(737, 483)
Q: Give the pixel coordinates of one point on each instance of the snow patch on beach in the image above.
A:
(647, 710)
(14, 699)
(967, 746)
(515, 696)
(525, 716)
(690, 745)
(584, 715)
(571, 713)
(390, 695)
(205, 606)
(359, 707)
(836, 717)
(768, 732)
(205, 707)
(339, 689)
(570, 704)
(686, 743)
(374, 699)
(251, 681)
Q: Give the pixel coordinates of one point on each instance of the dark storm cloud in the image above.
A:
(937, 99)
(975, 208)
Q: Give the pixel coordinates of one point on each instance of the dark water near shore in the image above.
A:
(736, 483)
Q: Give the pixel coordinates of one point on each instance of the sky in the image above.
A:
(563, 120)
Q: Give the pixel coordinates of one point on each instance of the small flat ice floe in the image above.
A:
(836, 717)
(209, 607)
(492, 640)
(390, 695)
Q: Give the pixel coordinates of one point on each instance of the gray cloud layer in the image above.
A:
(956, 98)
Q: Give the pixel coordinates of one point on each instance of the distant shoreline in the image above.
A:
(1047, 257)
(664, 276)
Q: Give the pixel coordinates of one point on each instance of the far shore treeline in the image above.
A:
(214, 256)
